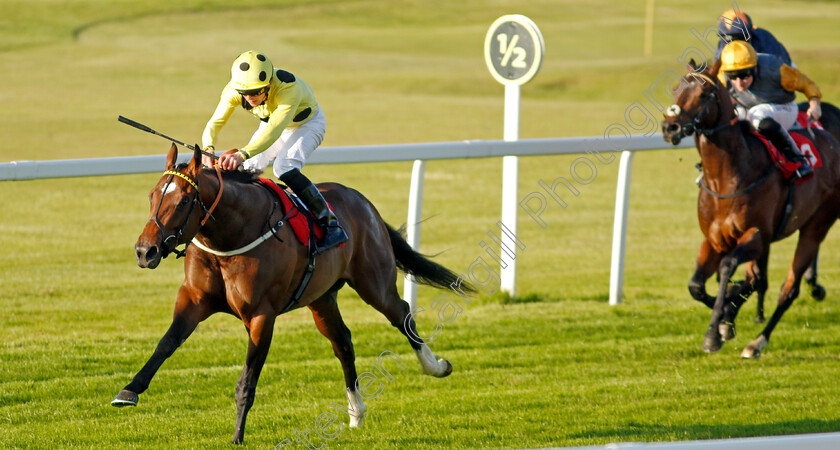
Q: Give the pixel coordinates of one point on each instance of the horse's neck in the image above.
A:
(240, 215)
(726, 156)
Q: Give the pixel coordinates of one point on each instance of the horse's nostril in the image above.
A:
(151, 253)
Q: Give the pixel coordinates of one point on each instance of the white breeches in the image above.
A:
(293, 147)
(783, 113)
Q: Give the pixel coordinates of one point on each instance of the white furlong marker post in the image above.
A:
(513, 51)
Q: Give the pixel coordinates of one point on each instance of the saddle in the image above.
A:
(297, 215)
(805, 145)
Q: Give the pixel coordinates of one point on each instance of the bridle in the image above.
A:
(170, 242)
(687, 128)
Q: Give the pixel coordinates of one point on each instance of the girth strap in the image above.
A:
(786, 215)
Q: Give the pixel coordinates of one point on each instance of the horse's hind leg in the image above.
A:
(331, 325)
(385, 299)
(817, 291)
(760, 284)
(810, 238)
(186, 317)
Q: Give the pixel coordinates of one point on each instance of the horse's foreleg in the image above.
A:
(331, 325)
(707, 263)
(810, 238)
(260, 330)
(738, 293)
(748, 248)
(186, 317)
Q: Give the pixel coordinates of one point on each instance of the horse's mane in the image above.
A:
(238, 176)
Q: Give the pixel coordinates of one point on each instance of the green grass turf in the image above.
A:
(556, 366)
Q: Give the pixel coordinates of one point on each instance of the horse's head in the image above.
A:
(696, 106)
(175, 211)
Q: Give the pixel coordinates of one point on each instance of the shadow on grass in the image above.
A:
(504, 298)
(641, 432)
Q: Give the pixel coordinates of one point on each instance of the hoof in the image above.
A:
(447, 370)
(125, 398)
(759, 318)
(727, 331)
(356, 422)
(753, 350)
(712, 343)
(818, 292)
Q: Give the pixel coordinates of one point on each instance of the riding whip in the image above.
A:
(140, 126)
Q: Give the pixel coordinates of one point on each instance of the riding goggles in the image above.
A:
(741, 74)
(252, 92)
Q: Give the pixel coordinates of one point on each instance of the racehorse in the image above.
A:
(830, 121)
(741, 208)
(245, 262)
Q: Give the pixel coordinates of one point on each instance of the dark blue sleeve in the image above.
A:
(764, 42)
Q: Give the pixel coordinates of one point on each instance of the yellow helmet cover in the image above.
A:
(738, 55)
(251, 70)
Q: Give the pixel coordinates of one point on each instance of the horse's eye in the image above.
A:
(184, 201)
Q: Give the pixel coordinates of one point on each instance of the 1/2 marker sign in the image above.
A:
(513, 49)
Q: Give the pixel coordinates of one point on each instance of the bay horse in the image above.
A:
(257, 281)
(741, 206)
(830, 121)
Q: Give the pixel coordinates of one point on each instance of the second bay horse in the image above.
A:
(741, 208)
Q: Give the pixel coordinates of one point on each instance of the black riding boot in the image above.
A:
(782, 141)
(312, 198)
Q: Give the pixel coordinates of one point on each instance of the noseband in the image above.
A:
(170, 242)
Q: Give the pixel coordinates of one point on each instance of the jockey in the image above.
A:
(737, 26)
(292, 126)
(763, 88)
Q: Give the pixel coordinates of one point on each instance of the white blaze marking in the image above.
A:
(169, 188)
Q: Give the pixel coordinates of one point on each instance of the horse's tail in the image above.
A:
(424, 270)
(831, 119)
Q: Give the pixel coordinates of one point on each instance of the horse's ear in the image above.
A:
(713, 71)
(692, 65)
(195, 164)
(172, 157)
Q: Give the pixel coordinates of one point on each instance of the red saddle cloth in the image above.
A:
(802, 119)
(297, 217)
(808, 149)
